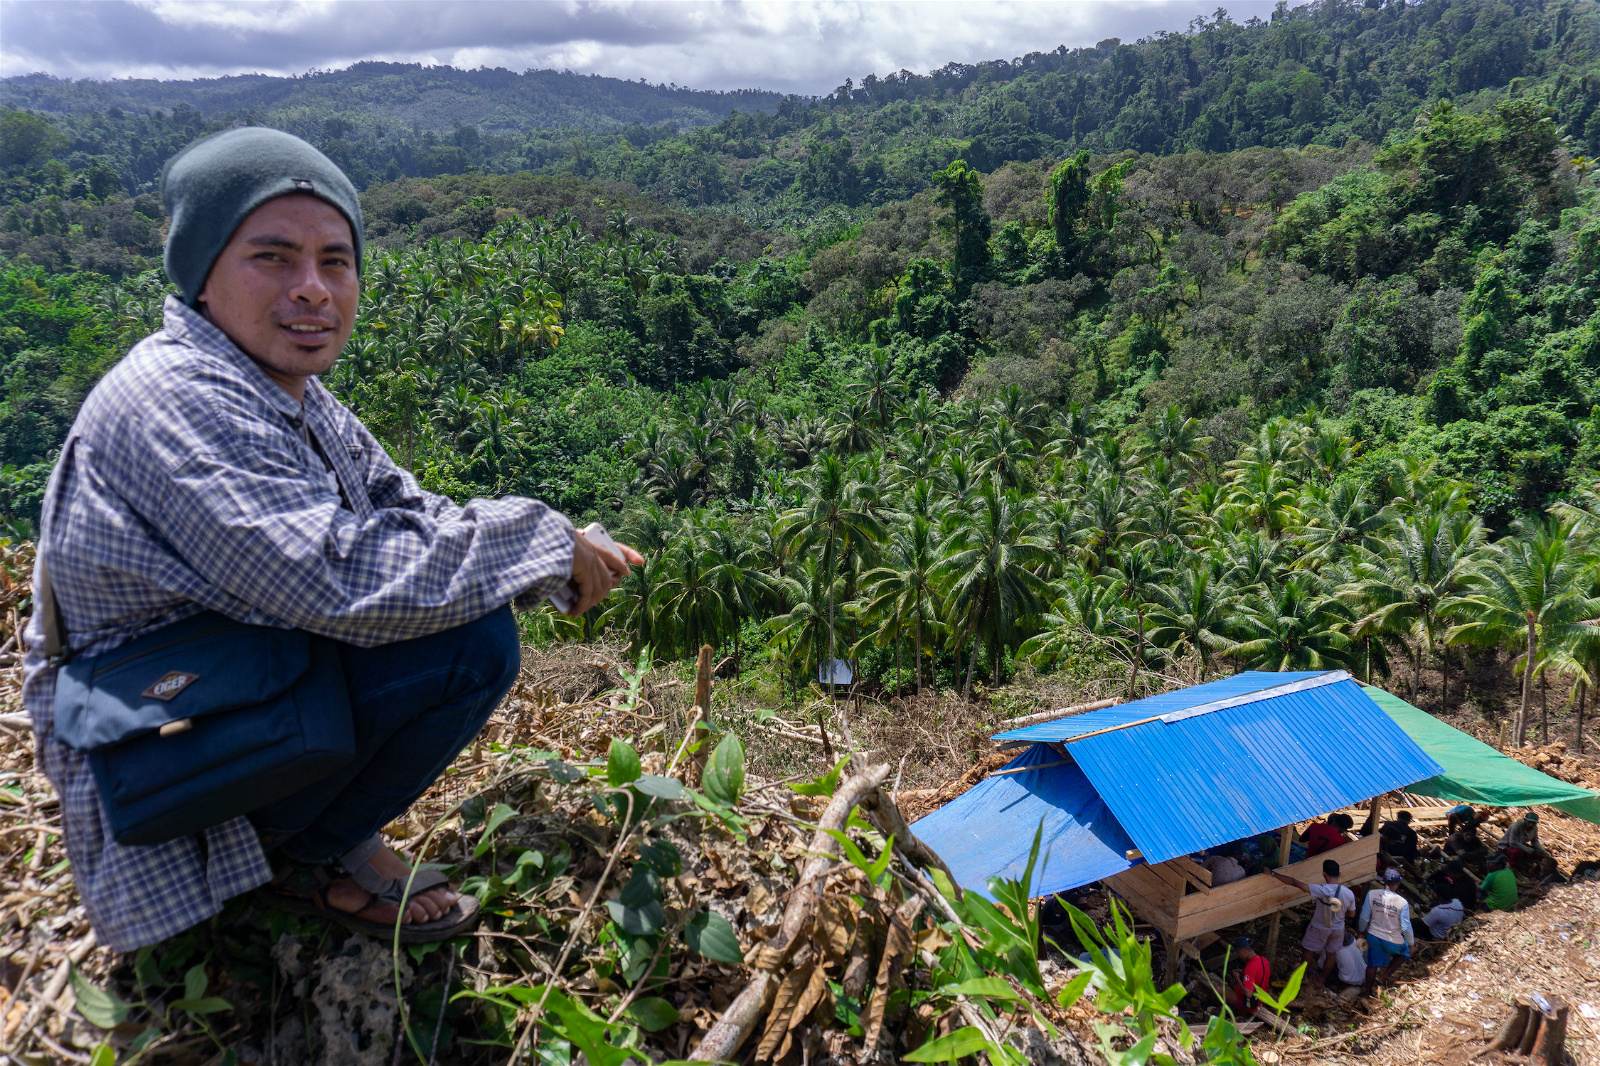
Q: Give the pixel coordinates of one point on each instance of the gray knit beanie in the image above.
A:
(213, 185)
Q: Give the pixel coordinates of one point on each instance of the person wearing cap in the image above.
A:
(1254, 972)
(1334, 902)
(1386, 919)
(1499, 889)
(211, 470)
(1521, 845)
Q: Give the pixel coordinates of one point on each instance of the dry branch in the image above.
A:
(738, 1021)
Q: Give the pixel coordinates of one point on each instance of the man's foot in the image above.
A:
(367, 899)
(347, 896)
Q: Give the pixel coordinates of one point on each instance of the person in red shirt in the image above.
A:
(1329, 834)
(1255, 972)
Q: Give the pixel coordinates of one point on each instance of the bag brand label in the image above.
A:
(169, 686)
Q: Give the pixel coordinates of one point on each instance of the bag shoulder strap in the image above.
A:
(44, 602)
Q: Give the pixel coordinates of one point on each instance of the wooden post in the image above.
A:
(702, 711)
(1174, 953)
(1285, 838)
(1374, 812)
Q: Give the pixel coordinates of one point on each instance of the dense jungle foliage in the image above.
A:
(1301, 402)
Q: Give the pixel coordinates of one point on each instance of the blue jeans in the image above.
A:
(416, 704)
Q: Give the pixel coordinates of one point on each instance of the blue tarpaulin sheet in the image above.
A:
(987, 830)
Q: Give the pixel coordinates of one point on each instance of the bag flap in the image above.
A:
(199, 666)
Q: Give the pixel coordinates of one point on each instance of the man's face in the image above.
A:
(285, 288)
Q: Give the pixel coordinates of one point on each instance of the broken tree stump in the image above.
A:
(1536, 1029)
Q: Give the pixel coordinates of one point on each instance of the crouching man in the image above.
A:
(210, 472)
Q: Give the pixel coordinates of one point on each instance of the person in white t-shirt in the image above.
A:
(1351, 960)
(1436, 924)
(1325, 935)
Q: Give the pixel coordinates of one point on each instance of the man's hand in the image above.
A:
(595, 571)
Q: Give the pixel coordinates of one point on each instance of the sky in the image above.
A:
(800, 47)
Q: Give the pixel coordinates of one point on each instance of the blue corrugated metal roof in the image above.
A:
(1194, 782)
(1240, 685)
(987, 830)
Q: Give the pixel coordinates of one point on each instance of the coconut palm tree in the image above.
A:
(1400, 588)
(1528, 591)
(1297, 626)
(688, 602)
(1175, 438)
(990, 573)
(1192, 607)
(1082, 607)
(904, 590)
(834, 520)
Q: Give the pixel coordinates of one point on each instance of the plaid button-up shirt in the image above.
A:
(187, 484)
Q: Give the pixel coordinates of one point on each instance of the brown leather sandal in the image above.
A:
(300, 888)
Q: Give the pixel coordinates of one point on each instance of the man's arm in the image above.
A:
(1366, 913)
(1290, 881)
(1405, 924)
(264, 536)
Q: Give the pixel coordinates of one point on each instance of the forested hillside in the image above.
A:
(1259, 401)
(1321, 73)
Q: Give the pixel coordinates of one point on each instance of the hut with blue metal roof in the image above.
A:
(1125, 795)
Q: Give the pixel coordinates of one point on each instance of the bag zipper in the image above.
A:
(173, 643)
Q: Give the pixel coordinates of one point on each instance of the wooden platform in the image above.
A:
(1160, 894)
(1421, 817)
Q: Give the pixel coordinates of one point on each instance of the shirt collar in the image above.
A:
(187, 326)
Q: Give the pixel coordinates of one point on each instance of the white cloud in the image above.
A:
(712, 44)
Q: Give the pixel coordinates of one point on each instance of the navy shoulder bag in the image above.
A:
(200, 721)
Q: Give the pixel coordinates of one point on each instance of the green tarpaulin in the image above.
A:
(1476, 773)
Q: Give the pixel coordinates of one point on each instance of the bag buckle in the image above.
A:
(172, 729)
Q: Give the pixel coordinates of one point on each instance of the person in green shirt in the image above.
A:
(1499, 889)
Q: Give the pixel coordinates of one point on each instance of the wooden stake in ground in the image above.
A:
(702, 702)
